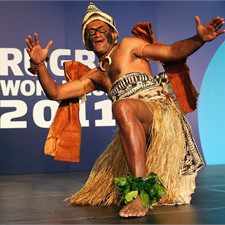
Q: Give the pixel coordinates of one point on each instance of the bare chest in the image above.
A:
(115, 64)
(121, 62)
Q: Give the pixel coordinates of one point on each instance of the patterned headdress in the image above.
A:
(94, 13)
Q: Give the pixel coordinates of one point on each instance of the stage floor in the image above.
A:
(39, 199)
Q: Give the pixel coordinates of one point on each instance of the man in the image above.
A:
(152, 131)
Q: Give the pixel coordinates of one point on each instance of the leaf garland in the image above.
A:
(150, 189)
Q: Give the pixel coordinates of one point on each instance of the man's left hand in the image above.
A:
(211, 30)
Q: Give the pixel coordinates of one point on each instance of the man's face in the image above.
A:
(100, 36)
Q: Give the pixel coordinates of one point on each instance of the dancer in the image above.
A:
(154, 135)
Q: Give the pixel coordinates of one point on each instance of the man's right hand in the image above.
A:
(35, 50)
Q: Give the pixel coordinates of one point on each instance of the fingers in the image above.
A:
(36, 38)
(197, 20)
(28, 51)
(220, 32)
(217, 23)
(49, 45)
(219, 26)
(29, 41)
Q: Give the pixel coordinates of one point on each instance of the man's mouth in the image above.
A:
(98, 41)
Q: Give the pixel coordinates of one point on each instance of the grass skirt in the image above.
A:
(165, 157)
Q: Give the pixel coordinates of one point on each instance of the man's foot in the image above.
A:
(134, 209)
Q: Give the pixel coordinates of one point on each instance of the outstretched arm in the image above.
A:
(182, 49)
(68, 90)
(52, 89)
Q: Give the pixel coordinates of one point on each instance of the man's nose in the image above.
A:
(97, 33)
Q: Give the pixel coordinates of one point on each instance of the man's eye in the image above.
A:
(91, 32)
(102, 30)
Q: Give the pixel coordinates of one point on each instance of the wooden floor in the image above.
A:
(38, 199)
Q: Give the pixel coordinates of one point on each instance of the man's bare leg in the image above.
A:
(134, 120)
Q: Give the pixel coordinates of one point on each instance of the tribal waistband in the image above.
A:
(131, 84)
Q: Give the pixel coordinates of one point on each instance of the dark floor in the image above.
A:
(38, 199)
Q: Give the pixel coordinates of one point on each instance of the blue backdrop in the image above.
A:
(26, 113)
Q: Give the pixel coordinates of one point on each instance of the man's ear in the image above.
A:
(115, 36)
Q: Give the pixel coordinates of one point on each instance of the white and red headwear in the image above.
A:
(94, 13)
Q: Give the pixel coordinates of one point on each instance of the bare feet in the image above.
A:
(134, 209)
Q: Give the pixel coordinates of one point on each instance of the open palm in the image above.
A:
(211, 30)
(35, 50)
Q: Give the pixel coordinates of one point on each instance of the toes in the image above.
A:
(123, 213)
(142, 212)
(131, 213)
(133, 210)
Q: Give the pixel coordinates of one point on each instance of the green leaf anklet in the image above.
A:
(149, 189)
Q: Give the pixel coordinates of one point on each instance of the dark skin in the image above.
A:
(133, 116)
